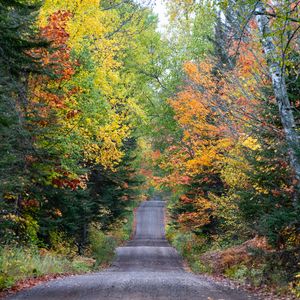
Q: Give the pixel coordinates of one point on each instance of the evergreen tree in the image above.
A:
(18, 35)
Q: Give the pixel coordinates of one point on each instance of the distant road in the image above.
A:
(146, 268)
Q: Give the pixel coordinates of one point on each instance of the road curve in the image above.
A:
(146, 268)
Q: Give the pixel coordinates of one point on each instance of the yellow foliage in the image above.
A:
(234, 168)
(251, 143)
(100, 125)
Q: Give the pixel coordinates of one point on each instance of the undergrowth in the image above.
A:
(272, 269)
(18, 263)
(22, 262)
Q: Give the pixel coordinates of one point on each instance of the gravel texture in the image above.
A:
(146, 268)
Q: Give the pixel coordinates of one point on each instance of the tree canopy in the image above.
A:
(97, 107)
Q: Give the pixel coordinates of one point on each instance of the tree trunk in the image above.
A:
(280, 90)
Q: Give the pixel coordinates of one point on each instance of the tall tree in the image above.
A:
(277, 69)
(18, 36)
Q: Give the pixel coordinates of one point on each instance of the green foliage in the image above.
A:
(102, 246)
(272, 211)
(18, 35)
(69, 158)
(61, 244)
(273, 269)
(17, 263)
(108, 197)
(243, 273)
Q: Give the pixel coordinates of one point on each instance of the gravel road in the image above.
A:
(146, 268)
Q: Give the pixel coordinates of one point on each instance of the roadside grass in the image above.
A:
(19, 263)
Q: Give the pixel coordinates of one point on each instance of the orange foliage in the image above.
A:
(213, 111)
(200, 216)
(221, 260)
(58, 61)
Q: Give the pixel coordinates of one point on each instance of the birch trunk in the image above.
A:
(280, 90)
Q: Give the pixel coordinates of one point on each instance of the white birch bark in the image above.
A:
(280, 90)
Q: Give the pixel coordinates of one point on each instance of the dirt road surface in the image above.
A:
(146, 268)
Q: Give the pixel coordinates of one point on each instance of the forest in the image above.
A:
(101, 108)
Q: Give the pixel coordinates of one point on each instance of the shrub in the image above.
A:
(61, 244)
(296, 285)
(102, 246)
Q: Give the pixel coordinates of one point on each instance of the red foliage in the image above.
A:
(58, 61)
(56, 33)
(66, 183)
(30, 203)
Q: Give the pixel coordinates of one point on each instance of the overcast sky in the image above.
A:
(160, 10)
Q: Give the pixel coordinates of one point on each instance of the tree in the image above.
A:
(276, 71)
(18, 37)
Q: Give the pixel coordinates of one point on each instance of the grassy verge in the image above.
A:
(19, 263)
